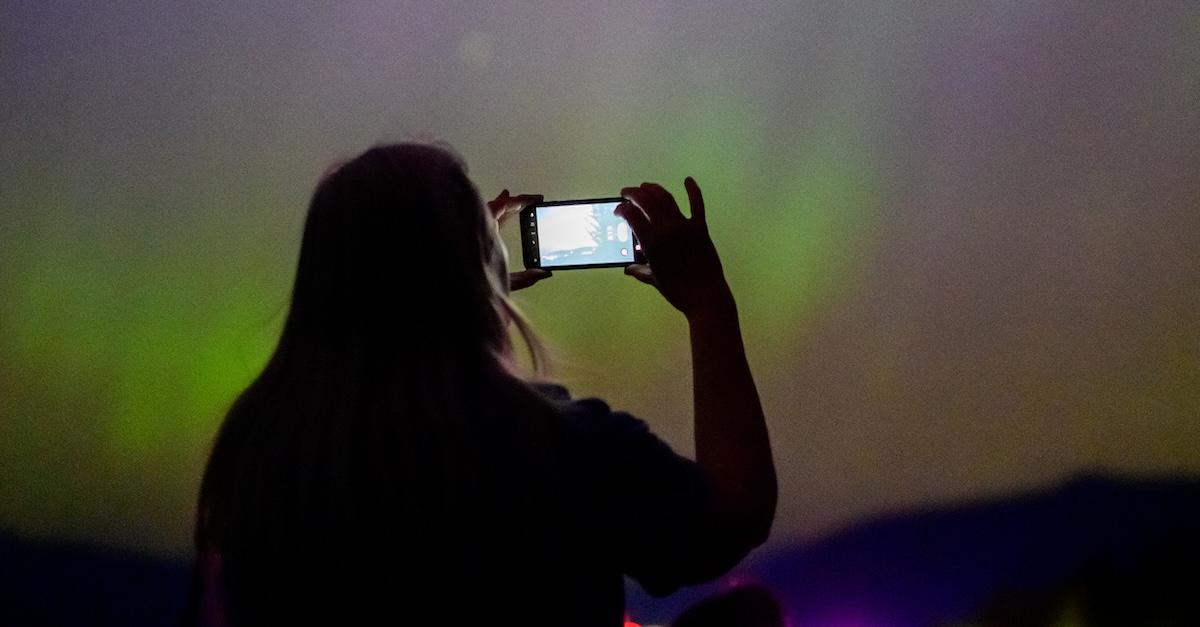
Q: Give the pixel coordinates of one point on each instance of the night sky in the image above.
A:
(963, 236)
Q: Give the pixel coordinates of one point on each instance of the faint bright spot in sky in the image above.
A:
(476, 50)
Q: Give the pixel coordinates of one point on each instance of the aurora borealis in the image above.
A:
(963, 236)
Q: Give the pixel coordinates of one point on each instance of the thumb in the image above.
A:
(525, 278)
(641, 272)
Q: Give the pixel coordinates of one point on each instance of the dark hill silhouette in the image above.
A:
(945, 563)
(45, 583)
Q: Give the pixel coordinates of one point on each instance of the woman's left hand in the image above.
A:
(504, 207)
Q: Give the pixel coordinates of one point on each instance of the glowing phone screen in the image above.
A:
(583, 234)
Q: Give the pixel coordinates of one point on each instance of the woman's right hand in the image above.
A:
(732, 443)
(683, 262)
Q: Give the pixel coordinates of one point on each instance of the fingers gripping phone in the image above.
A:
(570, 234)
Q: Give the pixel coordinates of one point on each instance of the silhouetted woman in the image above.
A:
(389, 466)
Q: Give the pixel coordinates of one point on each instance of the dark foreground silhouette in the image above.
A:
(998, 562)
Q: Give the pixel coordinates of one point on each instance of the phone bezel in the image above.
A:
(529, 249)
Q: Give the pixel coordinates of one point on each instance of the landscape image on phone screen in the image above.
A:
(583, 234)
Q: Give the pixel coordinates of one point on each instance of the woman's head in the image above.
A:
(400, 259)
(352, 466)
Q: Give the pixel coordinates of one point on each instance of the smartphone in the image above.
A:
(570, 234)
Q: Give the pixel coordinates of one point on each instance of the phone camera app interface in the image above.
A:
(573, 235)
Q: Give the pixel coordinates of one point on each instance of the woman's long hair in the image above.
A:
(354, 478)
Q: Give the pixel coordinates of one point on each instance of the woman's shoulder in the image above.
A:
(590, 416)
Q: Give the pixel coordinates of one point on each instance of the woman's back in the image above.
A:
(537, 517)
